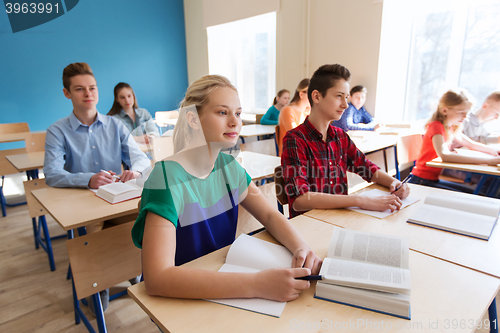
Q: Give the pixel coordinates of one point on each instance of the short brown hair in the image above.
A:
(74, 69)
(325, 77)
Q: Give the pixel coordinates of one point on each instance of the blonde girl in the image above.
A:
(441, 135)
(190, 204)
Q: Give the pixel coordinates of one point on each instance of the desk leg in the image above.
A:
(492, 314)
(480, 184)
(396, 162)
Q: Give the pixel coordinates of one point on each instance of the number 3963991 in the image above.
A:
(31, 8)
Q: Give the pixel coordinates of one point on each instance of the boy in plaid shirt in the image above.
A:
(316, 155)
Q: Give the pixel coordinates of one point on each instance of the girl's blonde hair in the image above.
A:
(451, 98)
(197, 96)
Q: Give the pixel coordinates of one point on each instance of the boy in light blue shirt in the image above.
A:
(87, 148)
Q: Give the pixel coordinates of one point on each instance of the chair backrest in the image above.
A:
(276, 139)
(408, 149)
(258, 117)
(35, 142)
(14, 128)
(163, 147)
(267, 147)
(279, 184)
(103, 259)
(6, 168)
(34, 207)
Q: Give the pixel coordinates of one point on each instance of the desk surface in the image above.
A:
(477, 168)
(258, 165)
(28, 161)
(257, 130)
(437, 295)
(374, 143)
(78, 207)
(477, 254)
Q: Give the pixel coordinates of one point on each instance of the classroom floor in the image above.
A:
(34, 299)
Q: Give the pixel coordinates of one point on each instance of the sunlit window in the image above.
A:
(451, 44)
(244, 51)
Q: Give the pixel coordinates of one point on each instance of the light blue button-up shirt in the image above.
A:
(75, 152)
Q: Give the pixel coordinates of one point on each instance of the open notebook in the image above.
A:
(118, 191)
(249, 255)
(376, 193)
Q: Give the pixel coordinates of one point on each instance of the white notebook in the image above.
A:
(376, 193)
(249, 255)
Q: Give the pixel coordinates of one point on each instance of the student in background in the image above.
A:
(473, 125)
(355, 117)
(190, 202)
(441, 135)
(294, 113)
(316, 155)
(272, 114)
(138, 121)
(80, 146)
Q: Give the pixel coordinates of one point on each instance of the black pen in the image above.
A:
(404, 181)
(310, 277)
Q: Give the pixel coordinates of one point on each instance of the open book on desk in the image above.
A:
(469, 215)
(249, 255)
(367, 270)
(118, 191)
(377, 193)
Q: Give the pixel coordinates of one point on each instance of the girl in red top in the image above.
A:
(441, 136)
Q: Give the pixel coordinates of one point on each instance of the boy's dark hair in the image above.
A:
(74, 69)
(358, 89)
(325, 77)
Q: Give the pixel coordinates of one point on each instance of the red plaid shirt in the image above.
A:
(310, 164)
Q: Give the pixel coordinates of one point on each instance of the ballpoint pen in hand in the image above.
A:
(402, 183)
(114, 176)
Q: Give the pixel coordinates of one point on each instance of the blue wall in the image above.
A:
(138, 42)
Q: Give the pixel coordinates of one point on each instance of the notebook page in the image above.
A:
(470, 204)
(259, 305)
(377, 193)
(118, 188)
(255, 253)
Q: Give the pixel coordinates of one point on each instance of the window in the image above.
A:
(244, 51)
(449, 44)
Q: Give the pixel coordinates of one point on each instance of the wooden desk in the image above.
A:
(78, 207)
(28, 161)
(259, 166)
(484, 170)
(483, 256)
(377, 143)
(256, 130)
(475, 168)
(437, 295)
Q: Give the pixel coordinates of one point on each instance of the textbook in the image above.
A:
(118, 191)
(366, 270)
(249, 255)
(376, 193)
(469, 215)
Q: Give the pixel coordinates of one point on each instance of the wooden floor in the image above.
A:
(34, 299)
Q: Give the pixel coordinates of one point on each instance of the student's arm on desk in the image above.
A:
(444, 153)
(474, 145)
(281, 229)
(163, 278)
